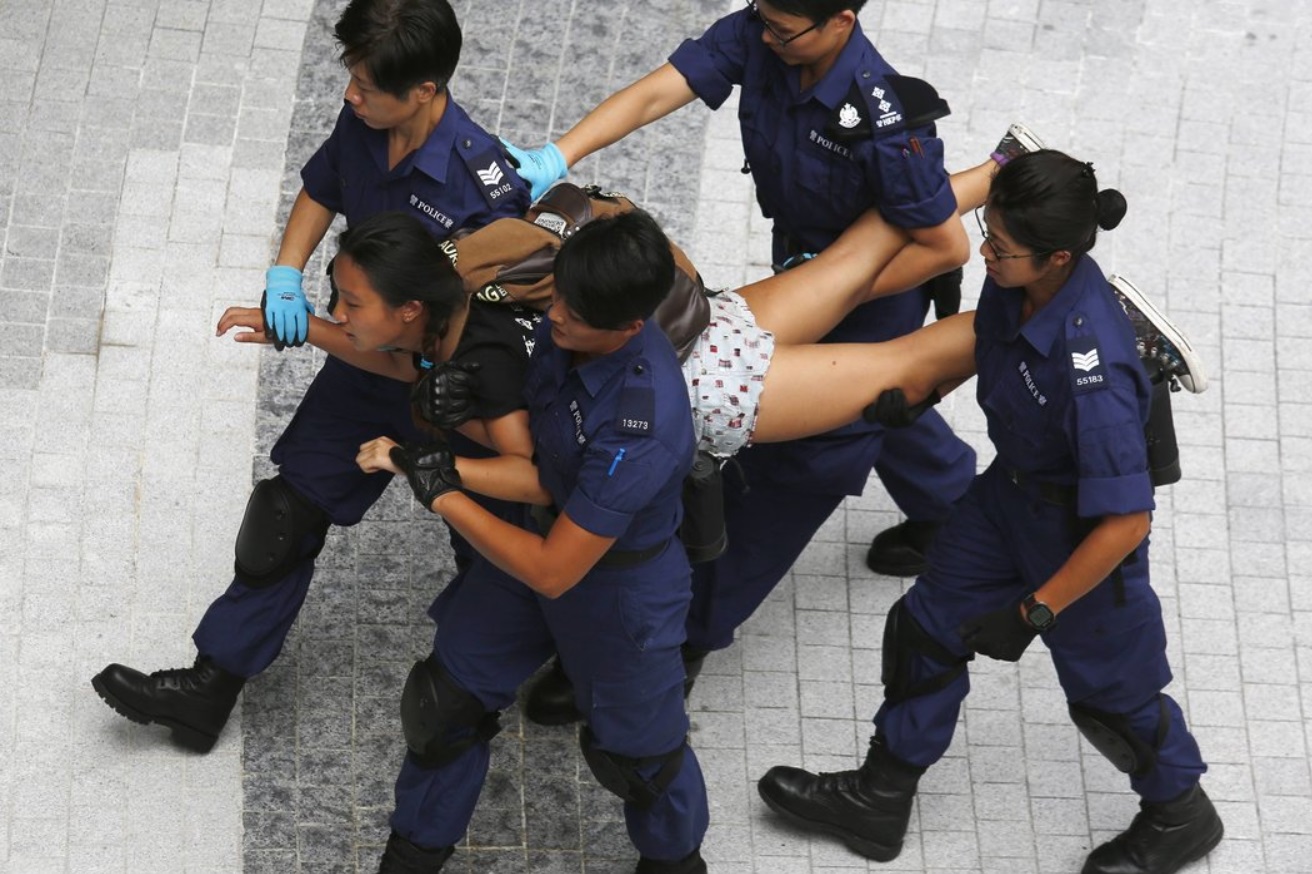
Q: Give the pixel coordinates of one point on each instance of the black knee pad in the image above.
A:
(441, 720)
(904, 638)
(278, 519)
(1111, 735)
(622, 775)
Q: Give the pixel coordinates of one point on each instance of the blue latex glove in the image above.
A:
(286, 311)
(540, 168)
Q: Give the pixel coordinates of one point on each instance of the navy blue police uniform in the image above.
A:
(819, 158)
(1066, 400)
(613, 443)
(459, 178)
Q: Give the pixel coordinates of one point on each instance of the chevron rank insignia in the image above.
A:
(1087, 371)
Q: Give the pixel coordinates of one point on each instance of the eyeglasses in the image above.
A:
(988, 240)
(780, 39)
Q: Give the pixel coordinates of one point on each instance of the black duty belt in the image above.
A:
(545, 517)
(1054, 493)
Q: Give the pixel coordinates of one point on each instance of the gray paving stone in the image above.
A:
(1217, 223)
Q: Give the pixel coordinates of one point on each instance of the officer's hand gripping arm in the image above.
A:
(285, 307)
(430, 468)
(444, 394)
(540, 168)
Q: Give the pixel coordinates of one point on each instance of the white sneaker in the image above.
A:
(1158, 339)
(1017, 141)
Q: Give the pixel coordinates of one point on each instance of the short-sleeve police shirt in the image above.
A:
(459, 178)
(1065, 395)
(613, 437)
(822, 156)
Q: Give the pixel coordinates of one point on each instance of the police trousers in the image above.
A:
(244, 629)
(618, 633)
(1001, 543)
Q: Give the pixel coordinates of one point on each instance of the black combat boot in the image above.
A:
(403, 857)
(1164, 837)
(867, 808)
(693, 863)
(195, 702)
(900, 551)
(693, 659)
(550, 700)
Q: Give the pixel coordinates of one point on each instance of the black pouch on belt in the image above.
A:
(1163, 451)
(702, 532)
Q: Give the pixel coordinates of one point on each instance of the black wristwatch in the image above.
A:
(1039, 615)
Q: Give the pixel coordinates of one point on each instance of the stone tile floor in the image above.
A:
(147, 151)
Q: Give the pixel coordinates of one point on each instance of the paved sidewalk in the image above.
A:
(148, 149)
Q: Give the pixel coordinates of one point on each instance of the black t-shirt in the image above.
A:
(500, 338)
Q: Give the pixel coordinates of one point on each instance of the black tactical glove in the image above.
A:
(945, 291)
(429, 467)
(1002, 634)
(444, 395)
(891, 409)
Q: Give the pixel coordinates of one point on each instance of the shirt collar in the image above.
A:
(596, 373)
(433, 158)
(832, 89)
(1045, 326)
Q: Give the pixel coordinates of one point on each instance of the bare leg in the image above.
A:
(810, 389)
(871, 258)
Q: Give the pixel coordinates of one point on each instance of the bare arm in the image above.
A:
(505, 477)
(1094, 559)
(328, 336)
(653, 96)
(550, 565)
(932, 251)
(306, 226)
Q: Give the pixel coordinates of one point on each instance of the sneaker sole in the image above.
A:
(857, 844)
(1195, 378)
(1026, 137)
(184, 735)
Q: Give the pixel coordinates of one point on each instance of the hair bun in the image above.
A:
(1111, 208)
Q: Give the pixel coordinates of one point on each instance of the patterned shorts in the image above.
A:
(725, 373)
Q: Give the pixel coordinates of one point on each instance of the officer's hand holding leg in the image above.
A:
(891, 409)
(1002, 634)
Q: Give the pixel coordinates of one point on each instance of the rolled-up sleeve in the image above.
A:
(713, 63)
(1112, 455)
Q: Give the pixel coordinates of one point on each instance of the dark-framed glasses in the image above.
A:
(988, 240)
(779, 38)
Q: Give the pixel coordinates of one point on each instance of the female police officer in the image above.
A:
(606, 583)
(1051, 539)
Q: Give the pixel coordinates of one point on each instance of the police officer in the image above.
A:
(829, 130)
(401, 142)
(605, 583)
(1051, 541)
